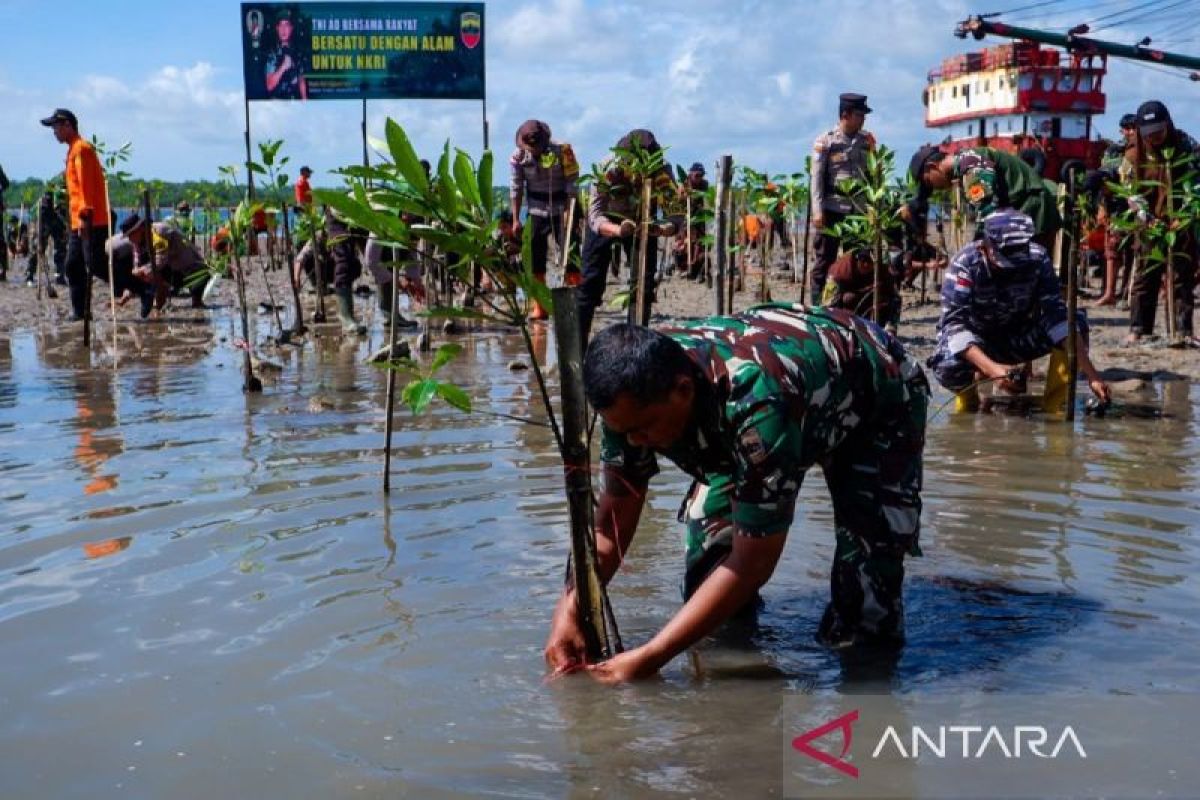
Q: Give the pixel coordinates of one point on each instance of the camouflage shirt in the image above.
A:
(779, 387)
(992, 179)
(982, 302)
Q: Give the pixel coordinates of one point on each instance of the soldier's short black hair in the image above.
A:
(633, 359)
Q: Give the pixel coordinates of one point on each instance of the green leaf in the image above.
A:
(464, 175)
(484, 179)
(447, 193)
(444, 355)
(404, 156)
(621, 299)
(454, 396)
(417, 394)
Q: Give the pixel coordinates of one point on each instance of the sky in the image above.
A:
(756, 79)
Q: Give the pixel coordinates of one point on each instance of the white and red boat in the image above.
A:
(1021, 97)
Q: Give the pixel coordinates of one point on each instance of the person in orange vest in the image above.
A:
(88, 219)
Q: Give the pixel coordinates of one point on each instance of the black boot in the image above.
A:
(78, 303)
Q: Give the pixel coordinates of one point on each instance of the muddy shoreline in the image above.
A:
(22, 310)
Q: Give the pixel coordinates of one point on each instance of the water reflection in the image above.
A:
(279, 616)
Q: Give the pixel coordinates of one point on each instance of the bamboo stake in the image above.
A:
(1170, 272)
(564, 257)
(39, 253)
(804, 268)
(250, 383)
(589, 591)
(1071, 236)
(289, 254)
(688, 235)
(642, 296)
(319, 262)
(391, 381)
(721, 256)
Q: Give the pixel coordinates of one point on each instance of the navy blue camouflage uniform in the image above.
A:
(1011, 307)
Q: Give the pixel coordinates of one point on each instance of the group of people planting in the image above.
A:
(745, 404)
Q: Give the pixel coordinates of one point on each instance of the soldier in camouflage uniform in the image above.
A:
(746, 405)
(838, 155)
(991, 180)
(1001, 307)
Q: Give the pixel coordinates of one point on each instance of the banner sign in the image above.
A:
(363, 50)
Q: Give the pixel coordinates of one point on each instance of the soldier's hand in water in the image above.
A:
(566, 650)
(628, 228)
(1008, 378)
(1100, 390)
(631, 665)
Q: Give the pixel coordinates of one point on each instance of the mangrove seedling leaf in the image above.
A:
(464, 175)
(484, 179)
(454, 396)
(417, 394)
(444, 355)
(405, 157)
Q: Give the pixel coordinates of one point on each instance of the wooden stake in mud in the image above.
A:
(564, 257)
(721, 256)
(732, 274)
(289, 254)
(391, 381)
(39, 253)
(319, 262)
(88, 232)
(1072, 238)
(1170, 272)
(877, 278)
(589, 591)
(804, 255)
(642, 292)
(250, 383)
(688, 233)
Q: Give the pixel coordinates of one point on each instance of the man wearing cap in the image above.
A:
(304, 195)
(691, 264)
(1001, 307)
(542, 180)
(613, 216)
(838, 155)
(1159, 184)
(133, 275)
(88, 217)
(991, 180)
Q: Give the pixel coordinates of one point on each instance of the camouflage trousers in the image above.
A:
(874, 478)
(955, 373)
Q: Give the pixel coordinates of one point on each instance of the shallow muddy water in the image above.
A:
(204, 594)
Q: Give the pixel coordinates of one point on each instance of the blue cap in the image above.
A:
(1008, 230)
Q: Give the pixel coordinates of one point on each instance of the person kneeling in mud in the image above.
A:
(1001, 307)
(746, 405)
(853, 276)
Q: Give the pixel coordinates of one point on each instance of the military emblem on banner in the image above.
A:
(471, 29)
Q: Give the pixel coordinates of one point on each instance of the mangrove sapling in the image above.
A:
(457, 214)
(876, 215)
(1159, 231)
(274, 191)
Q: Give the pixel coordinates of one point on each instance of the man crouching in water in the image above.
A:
(745, 405)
